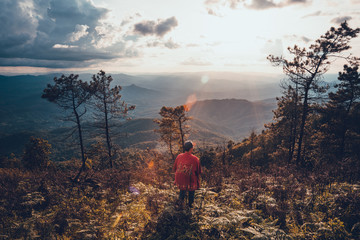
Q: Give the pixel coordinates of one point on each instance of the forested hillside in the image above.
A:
(296, 177)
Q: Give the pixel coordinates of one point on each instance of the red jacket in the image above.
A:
(187, 171)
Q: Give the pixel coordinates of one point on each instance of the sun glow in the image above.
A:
(191, 100)
(204, 79)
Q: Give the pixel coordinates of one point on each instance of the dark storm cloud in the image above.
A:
(17, 25)
(12, 62)
(68, 12)
(159, 28)
(339, 20)
(57, 32)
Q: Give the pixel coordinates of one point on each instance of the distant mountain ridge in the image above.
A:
(216, 115)
(239, 115)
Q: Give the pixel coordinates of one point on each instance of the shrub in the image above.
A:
(36, 154)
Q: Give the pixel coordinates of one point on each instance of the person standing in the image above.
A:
(187, 173)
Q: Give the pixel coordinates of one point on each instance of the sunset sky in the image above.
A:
(162, 36)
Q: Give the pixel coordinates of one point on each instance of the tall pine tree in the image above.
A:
(70, 94)
(108, 105)
(307, 67)
(343, 110)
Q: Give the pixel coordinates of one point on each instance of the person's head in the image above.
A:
(188, 146)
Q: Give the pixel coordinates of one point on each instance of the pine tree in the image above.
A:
(286, 121)
(70, 94)
(343, 109)
(108, 105)
(168, 131)
(308, 66)
(172, 127)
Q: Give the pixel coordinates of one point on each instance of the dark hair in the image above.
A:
(188, 145)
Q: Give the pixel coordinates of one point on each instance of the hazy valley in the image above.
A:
(219, 109)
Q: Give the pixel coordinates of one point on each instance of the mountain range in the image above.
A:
(219, 109)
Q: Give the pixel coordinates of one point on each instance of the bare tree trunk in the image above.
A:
(294, 127)
(181, 136)
(171, 151)
(81, 144)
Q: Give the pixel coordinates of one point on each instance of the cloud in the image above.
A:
(234, 3)
(167, 44)
(159, 28)
(211, 12)
(210, 2)
(153, 44)
(305, 39)
(130, 19)
(266, 4)
(17, 29)
(63, 46)
(214, 12)
(165, 26)
(261, 4)
(339, 20)
(80, 31)
(297, 1)
(196, 62)
(213, 6)
(315, 14)
(296, 38)
(171, 44)
(12, 62)
(58, 32)
(145, 28)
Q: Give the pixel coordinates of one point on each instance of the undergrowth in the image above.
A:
(139, 202)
